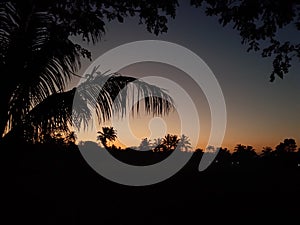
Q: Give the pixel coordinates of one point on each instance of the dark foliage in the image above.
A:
(258, 23)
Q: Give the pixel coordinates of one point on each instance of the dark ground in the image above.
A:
(51, 185)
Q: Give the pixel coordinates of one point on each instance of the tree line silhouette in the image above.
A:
(284, 154)
(51, 181)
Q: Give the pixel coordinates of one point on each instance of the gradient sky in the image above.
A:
(260, 113)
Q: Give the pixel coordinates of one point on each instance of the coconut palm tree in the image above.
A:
(38, 60)
(170, 142)
(107, 133)
(244, 154)
(145, 145)
(157, 145)
(184, 143)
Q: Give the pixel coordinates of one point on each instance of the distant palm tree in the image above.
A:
(184, 143)
(107, 133)
(145, 145)
(267, 152)
(157, 145)
(244, 153)
(170, 142)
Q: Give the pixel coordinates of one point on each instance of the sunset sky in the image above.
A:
(259, 113)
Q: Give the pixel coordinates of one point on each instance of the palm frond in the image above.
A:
(108, 95)
(60, 111)
(51, 60)
(9, 21)
(55, 114)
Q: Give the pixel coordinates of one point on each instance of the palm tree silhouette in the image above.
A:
(107, 133)
(170, 142)
(184, 143)
(38, 55)
(267, 152)
(157, 144)
(40, 60)
(145, 145)
(243, 153)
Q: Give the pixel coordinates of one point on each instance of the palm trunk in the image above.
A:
(104, 143)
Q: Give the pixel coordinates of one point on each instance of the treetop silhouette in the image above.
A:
(107, 133)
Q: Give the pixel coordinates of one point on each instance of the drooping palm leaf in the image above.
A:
(58, 112)
(110, 91)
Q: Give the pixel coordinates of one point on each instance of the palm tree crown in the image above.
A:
(184, 143)
(107, 133)
(170, 142)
